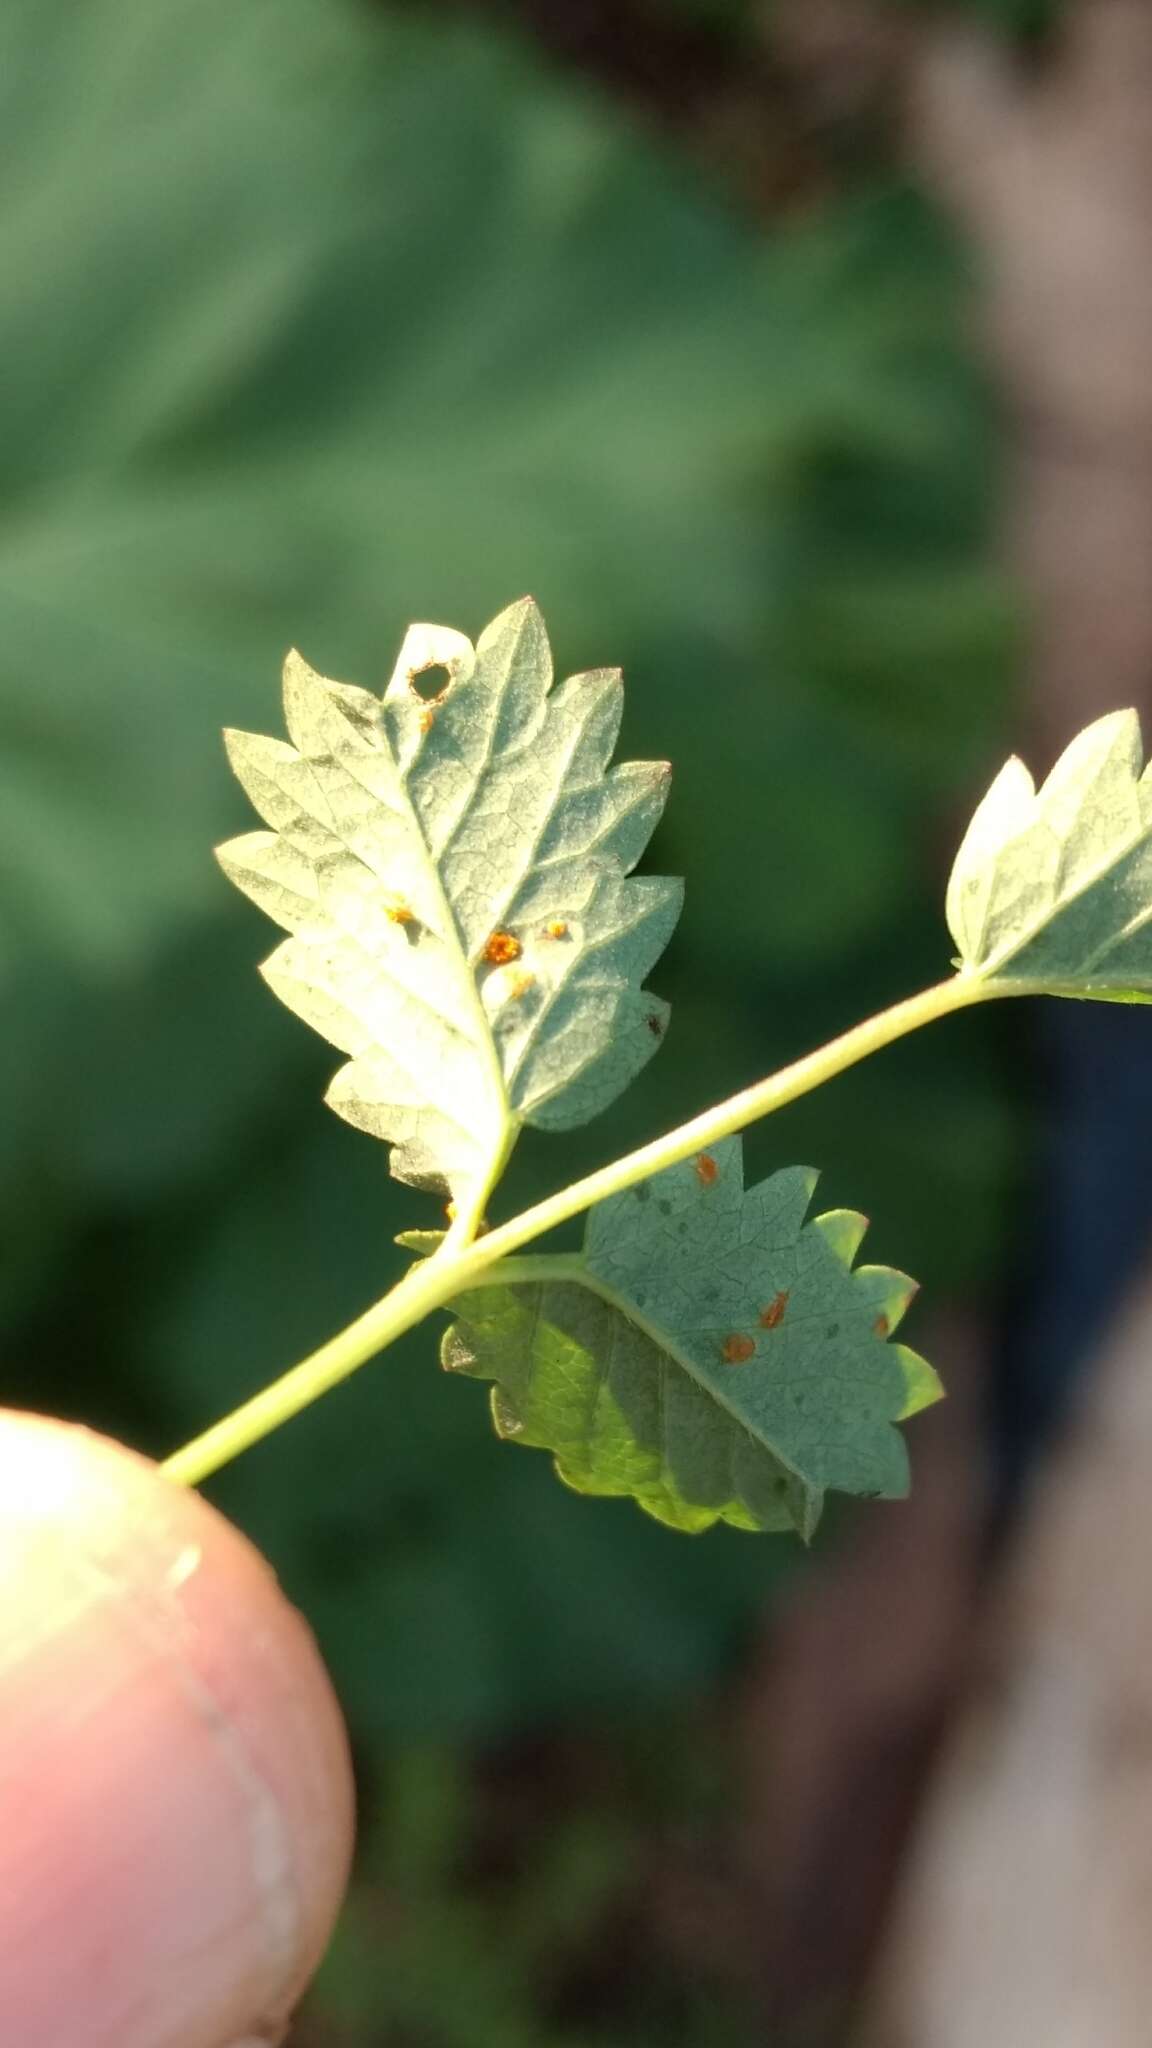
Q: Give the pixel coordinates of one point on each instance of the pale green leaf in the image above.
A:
(453, 869)
(1052, 887)
(422, 1242)
(709, 1352)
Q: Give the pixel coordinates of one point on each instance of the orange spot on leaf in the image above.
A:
(737, 1350)
(882, 1325)
(557, 929)
(427, 718)
(707, 1170)
(773, 1314)
(520, 984)
(398, 912)
(502, 949)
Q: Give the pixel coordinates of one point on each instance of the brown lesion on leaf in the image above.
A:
(707, 1171)
(882, 1325)
(502, 949)
(655, 1026)
(772, 1315)
(737, 1349)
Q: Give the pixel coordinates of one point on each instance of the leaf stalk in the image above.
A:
(464, 1259)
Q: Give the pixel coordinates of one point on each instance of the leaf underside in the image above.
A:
(452, 865)
(1052, 888)
(710, 1353)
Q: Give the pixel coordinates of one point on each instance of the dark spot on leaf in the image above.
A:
(665, 1208)
(833, 1330)
(773, 1314)
(655, 1026)
(429, 682)
(707, 1170)
(642, 1191)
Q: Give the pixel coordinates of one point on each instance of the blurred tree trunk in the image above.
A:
(1026, 1917)
(1026, 1913)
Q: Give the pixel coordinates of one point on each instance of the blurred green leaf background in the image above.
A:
(320, 318)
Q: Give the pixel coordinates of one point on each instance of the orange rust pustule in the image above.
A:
(557, 929)
(399, 912)
(707, 1171)
(773, 1315)
(882, 1325)
(520, 985)
(427, 718)
(502, 949)
(737, 1350)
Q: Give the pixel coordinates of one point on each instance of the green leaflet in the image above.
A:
(1052, 888)
(453, 870)
(708, 1352)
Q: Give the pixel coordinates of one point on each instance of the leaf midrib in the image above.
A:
(571, 1268)
(485, 1039)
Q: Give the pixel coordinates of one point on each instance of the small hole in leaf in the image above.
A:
(430, 682)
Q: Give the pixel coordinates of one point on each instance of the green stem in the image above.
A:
(458, 1265)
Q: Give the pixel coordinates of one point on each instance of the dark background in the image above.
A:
(319, 317)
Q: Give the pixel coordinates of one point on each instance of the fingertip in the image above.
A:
(175, 1787)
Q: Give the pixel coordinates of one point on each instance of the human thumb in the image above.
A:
(175, 1789)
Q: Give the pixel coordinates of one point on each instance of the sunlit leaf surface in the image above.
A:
(709, 1352)
(1052, 887)
(452, 863)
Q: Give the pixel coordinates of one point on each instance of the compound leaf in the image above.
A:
(1052, 887)
(453, 871)
(709, 1352)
